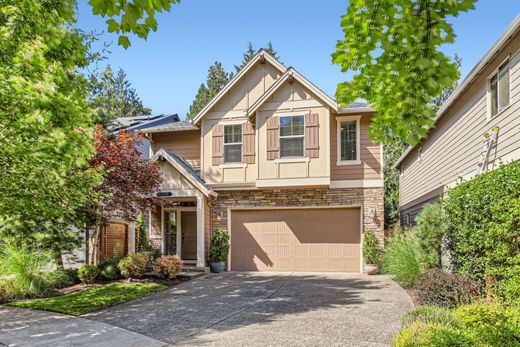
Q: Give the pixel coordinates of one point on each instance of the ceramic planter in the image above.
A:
(217, 266)
(371, 269)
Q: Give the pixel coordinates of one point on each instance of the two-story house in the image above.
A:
(476, 129)
(274, 160)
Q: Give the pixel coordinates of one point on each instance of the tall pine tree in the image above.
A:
(215, 81)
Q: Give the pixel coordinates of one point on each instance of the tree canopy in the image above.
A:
(394, 50)
(114, 96)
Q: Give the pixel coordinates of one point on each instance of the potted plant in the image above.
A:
(219, 250)
(371, 253)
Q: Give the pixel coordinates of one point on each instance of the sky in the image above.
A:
(168, 68)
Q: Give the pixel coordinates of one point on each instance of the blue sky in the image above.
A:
(168, 68)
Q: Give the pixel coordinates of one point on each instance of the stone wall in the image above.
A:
(369, 198)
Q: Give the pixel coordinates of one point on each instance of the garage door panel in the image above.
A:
(321, 239)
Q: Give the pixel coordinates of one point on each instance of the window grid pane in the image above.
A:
(503, 86)
(291, 136)
(348, 140)
(233, 153)
(493, 94)
(233, 133)
(233, 143)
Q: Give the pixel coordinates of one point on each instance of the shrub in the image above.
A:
(88, 273)
(402, 256)
(58, 279)
(429, 230)
(73, 275)
(430, 315)
(133, 265)
(440, 288)
(483, 217)
(142, 243)
(219, 248)
(168, 266)
(371, 250)
(477, 324)
(25, 270)
(490, 324)
(109, 270)
(509, 290)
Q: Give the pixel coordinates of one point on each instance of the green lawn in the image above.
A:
(92, 299)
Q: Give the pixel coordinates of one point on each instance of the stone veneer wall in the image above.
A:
(369, 198)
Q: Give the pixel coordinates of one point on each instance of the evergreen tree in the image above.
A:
(113, 96)
(250, 53)
(216, 80)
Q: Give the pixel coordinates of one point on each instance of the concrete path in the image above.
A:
(266, 309)
(20, 327)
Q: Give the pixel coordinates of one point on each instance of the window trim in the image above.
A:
(290, 136)
(488, 89)
(241, 143)
(339, 120)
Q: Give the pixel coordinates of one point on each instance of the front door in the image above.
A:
(189, 235)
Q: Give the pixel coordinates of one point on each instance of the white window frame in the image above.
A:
(339, 120)
(241, 143)
(488, 88)
(291, 136)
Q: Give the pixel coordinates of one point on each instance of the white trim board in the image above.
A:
(373, 183)
(293, 182)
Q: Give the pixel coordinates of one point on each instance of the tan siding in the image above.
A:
(453, 148)
(370, 167)
(185, 144)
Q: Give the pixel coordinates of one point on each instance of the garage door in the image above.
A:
(320, 239)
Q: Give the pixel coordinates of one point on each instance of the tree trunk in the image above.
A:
(87, 244)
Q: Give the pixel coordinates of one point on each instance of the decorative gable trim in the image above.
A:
(291, 73)
(260, 56)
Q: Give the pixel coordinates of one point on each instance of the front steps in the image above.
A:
(190, 272)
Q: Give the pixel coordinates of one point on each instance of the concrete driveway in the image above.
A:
(267, 309)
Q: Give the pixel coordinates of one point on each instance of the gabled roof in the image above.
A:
(261, 54)
(177, 126)
(140, 122)
(291, 73)
(512, 29)
(186, 170)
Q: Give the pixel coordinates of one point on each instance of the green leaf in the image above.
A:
(123, 41)
(113, 26)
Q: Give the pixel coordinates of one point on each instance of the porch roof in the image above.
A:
(186, 170)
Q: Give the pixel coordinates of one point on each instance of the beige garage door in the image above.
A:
(320, 239)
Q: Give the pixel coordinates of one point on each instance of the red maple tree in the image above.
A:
(130, 181)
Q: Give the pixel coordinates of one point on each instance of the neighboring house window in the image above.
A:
(348, 140)
(499, 88)
(291, 136)
(233, 143)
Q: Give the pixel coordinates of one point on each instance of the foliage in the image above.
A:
(113, 96)
(372, 251)
(483, 224)
(73, 276)
(142, 243)
(133, 265)
(135, 17)
(45, 124)
(440, 288)
(393, 48)
(429, 230)
(403, 256)
(391, 152)
(109, 269)
(168, 266)
(88, 273)
(24, 270)
(131, 180)
(92, 299)
(215, 81)
(477, 324)
(429, 315)
(491, 324)
(250, 53)
(219, 247)
(58, 278)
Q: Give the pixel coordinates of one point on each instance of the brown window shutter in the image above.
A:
(218, 144)
(273, 138)
(248, 143)
(312, 135)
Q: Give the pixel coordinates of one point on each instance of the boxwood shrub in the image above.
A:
(483, 224)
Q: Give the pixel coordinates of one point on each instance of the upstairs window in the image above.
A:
(348, 140)
(291, 136)
(499, 89)
(233, 143)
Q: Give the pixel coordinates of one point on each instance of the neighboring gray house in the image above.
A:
(476, 129)
(141, 122)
